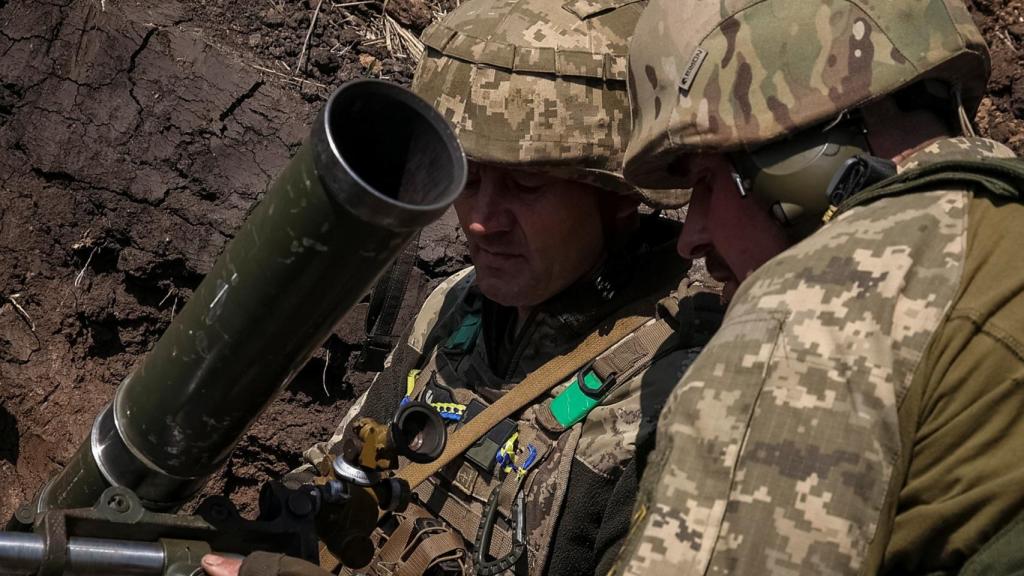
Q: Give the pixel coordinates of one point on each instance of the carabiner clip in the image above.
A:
(485, 567)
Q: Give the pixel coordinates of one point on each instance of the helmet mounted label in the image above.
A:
(696, 61)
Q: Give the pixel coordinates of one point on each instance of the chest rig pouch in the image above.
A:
(481, 488)
(502, 496)
(495, 508)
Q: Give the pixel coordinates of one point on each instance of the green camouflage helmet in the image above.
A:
(536, 84)
(724, 75)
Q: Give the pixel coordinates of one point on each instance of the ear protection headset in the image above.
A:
(796, 175)
(801, 176)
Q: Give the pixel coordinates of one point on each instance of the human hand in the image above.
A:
(220, 566)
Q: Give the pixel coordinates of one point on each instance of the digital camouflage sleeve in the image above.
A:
(859, 410)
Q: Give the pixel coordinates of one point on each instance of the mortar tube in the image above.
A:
(379, 164)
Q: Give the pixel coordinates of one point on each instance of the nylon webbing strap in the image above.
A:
(385, 304)
(532, 387)
(463, 518)
(635, 352)
(392, 550)
(432, 550)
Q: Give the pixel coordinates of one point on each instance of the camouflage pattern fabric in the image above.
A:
(603, 444)
(538, 84)
(955, 148)
(735, 74)
(776, 451)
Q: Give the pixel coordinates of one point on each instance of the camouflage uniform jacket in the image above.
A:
(579, 491)
(859, 409)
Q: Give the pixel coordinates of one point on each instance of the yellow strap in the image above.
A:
(410, 381)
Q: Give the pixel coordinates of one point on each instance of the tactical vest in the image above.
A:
(500, 502)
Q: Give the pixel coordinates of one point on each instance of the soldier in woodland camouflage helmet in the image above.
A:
(858, 412)
(536, 90)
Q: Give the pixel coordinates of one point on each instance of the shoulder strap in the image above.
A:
(634, 351)
(426, 331)
(535, 384)
(1002, 177)
(437, 313)
(385, 304)
(682, 322)
(596, 380)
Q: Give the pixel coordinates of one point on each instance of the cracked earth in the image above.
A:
(133, 148)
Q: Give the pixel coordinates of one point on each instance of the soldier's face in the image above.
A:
(530, 235)
(735, 234)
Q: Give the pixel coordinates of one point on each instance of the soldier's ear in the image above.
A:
(618, 213)
(894, 132)
(626, 206)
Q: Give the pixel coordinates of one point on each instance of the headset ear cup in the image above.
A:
(787, 213)
(793, 175)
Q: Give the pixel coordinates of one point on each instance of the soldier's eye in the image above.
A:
(529, 182)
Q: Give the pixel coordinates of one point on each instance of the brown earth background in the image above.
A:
(136, 136)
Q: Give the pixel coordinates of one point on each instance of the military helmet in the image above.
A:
(536, 84)
(734, 75)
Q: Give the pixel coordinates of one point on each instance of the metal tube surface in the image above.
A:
(379, 164)
(22, 553)
(94, 556)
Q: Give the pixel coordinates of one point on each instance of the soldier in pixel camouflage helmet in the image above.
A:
(536, 91)
(537, 85)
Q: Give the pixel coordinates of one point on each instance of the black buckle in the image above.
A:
(601, 391)
(856, 174)
(373, 354)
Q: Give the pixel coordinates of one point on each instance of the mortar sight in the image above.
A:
(418, 433)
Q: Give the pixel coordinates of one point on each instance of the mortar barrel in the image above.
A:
(379, 164)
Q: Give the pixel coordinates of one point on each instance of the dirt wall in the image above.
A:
(132, 150)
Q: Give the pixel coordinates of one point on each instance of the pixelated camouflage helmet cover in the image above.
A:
(536, 84)
(721, 75)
